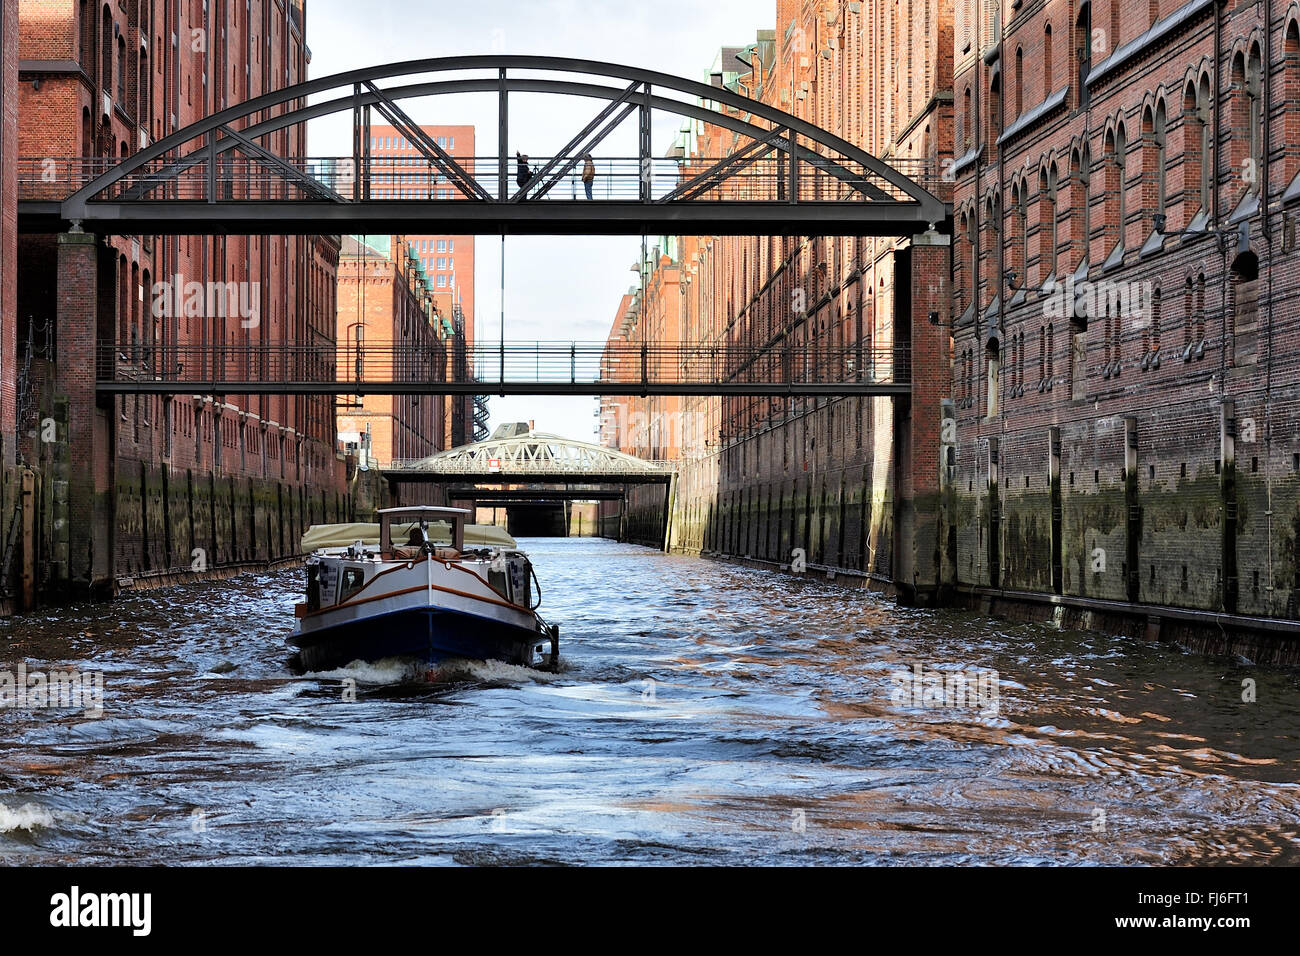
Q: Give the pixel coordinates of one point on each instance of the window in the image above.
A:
(1083, 188)
(442, 245)
(352, 580)
(995, 107)
(1078, 356)
(1020, 81)
(1047, 223)
(1020, 230)
(968, 120)
(1158, 147)
(442, 281)
(442, 262)
(1083, 53)
(991, 356)
(451, 142)
(442, 141)
(451, 245)
(1116, 179)
(1047, 61)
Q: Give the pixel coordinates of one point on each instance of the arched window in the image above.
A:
(1159, 144)
(1047, 61)
(87, 133)
(1189, 311)
(1291, 97)
(106, 51)
(1084, 189)
(1245, 119)
(1200, 308)
(968, 120)
(85, 42)
(1255, 117)
(1157, 307)
(1020, 81)
(1020, 230)
(992, 361)
(121, 72)
(1047, 223)
(1082, 53)
(995, 108)
(145, 105)
(1154, 186)
(1115, 180)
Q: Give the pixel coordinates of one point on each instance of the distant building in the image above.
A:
(399, 169)
(391, 323)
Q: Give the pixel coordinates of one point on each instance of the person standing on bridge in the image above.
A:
(588, 173)
(524, 175)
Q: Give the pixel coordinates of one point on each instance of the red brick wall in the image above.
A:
(1158, 525)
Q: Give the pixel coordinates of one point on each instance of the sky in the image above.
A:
(556, 287)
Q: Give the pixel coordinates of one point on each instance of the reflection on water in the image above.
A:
(704, 714)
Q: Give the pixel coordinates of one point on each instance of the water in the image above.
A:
(704, 714)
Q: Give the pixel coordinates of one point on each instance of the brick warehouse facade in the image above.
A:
(845, 484)
(144, 489)
(386, 299)
(1107, 431)
(1127, 400)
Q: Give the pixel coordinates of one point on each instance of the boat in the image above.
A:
(448, 590)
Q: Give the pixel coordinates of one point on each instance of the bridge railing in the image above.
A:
(481, 463)
(554, 362)
(617, 179)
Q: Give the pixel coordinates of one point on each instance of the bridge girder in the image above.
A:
(883, 201)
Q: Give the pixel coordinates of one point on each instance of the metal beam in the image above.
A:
(299, 93)
(289, 170)
(245, 387)
(461, 216)
(719, 171)
(428, 146)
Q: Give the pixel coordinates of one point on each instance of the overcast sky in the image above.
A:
(556, 287)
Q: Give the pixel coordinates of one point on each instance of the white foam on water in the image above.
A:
(28, 817)
(390, 670)
(464, 669)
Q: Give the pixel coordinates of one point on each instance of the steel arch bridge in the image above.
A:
(531, 457)
(223, 174)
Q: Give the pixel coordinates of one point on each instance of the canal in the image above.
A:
(704, 714)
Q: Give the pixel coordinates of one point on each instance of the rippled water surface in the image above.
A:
(704, 714)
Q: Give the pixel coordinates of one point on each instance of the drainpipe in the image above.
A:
(1266, 111)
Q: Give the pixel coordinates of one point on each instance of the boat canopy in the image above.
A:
(367, 532)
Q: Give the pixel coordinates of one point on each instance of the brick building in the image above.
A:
(387, 307)
(400, 169)
(8, 228)
(160, 485)
(852, 483)
(646, 426)
(1126, 365)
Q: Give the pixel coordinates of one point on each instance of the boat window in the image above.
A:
(520, 583)
(353, 579)
(498, 581)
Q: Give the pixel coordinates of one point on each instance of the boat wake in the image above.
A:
(389, 670)
(410, 670)
(29, 817)
(493, 672)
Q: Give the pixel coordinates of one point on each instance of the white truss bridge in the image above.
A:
(537, 456)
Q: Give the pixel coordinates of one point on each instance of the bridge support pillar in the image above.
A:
(83, 461)
(920, 430)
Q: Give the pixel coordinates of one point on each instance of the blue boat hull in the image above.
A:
(432, 634)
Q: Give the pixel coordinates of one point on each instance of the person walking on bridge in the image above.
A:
(588, 173)
(523, 175)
